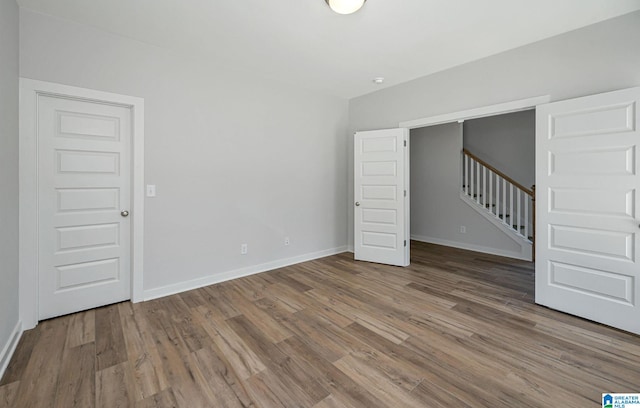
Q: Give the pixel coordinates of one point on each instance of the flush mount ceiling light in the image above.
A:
(345, 6)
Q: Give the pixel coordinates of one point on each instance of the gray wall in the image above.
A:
(507, 142)
(8, 169)
(437, 212)
(236, 159)
(598, 58)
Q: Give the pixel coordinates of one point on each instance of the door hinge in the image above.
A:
(405, 242)
(405, 143)
(405, 193)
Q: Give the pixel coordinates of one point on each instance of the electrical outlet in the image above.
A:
(244, 249)
(463, 229)
(286, 241)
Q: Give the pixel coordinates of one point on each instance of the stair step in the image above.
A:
(487, 205)
(516, 227)
(504, 215)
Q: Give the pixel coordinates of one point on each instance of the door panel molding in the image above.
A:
(30, 91)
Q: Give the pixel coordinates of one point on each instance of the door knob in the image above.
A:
(357, 203)
(124, 213)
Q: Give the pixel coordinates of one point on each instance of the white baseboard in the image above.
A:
(237, 273)
(471, 247)
(10, 348)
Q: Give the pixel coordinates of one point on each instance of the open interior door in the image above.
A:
(381, 214)
(587, 163)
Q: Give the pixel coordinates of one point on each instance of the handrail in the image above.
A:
(501, 196)
(526, 190)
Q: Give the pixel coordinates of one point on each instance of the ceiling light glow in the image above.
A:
(345, 6)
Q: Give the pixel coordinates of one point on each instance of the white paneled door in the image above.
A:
(83, 204)
(381, 207)
(588, 211)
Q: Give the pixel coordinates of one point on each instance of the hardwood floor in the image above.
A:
(456, 329)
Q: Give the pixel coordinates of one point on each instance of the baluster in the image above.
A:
(526, 215)
(470, 192)
(484, 187)
(498, 197)
(519, 194)
(478, 182)
(511, 204)
(491, 191)
(504, 200)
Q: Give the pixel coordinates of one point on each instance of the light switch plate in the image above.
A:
(151, 190)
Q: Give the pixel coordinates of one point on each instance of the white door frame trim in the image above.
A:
(28, 180)
(490, 110)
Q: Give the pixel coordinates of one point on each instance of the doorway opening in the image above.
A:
(461, 208)
(468, 183)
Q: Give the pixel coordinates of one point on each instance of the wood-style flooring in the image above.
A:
(455, 329)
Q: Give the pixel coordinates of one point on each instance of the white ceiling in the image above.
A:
(304, 43)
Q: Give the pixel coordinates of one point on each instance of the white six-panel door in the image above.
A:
(381, 208)
(84, 196)
(587, 207)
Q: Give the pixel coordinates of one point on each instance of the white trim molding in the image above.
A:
(30, 89)
(179, 287)
(10, 348)
(491, 110)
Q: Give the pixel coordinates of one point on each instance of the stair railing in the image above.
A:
(506, 199)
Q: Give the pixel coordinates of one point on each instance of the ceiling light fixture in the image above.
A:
(345, 6)
(378, 81)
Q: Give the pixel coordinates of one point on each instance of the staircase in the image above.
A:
(503, 201)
